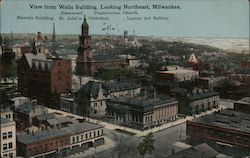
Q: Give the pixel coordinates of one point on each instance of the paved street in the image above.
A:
(119, 145)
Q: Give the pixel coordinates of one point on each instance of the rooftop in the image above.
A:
(6, 122)
(228, 119)
(40, 135)
(178, 71)
(143, 102)
(120, 86)
(81, 127)
(106, 57)
(202, 150)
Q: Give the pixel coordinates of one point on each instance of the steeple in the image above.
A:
(34, 51)
(85, 27)
(54, 33)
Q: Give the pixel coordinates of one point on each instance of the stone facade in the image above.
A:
(142, 112)
(8, 138)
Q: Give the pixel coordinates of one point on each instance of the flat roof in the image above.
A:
(81, 127)
(143, 101)
(40, 135)
(6, 122)
(228, 119)
(180, 71)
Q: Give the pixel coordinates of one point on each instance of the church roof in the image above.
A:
(192, 59)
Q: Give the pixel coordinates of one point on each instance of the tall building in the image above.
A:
(42, 78)
(84, 51)
(87, 64)
(8, 138)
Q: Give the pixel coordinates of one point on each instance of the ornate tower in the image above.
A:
(84, 57)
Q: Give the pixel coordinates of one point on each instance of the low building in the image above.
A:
(197, 101)
(85, 135)
(8, 138)
(42, 143)
(209, 82)
(59, 141)
(68, 104)
(225, 126)
(168, 80)
(25, 112)
(199, 151)
(142, 112)
(243, 105)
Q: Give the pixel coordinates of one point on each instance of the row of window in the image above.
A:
(89, 135)
(7, 146)
(46, 146)
(6, 135)
(10, 155)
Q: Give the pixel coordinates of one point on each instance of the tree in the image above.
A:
(147, 145)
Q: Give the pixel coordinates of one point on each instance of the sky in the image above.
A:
(196, 18)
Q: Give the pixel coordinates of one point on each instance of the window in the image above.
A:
(9, 134)
(77, 139)
(82, 137)
(10, 145)
(86, 136)
(5, 147)
(73, 139)
(94, 134)
(4, 135)
(11, 155)
(90, 135)
(98, 133)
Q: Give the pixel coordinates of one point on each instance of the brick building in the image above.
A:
(88, 64)
(55, 142)
(226, 126)
(40, 143)
(42, 78)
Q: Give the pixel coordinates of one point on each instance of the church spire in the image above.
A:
(54, 33)
(85, 27)
(34, 51)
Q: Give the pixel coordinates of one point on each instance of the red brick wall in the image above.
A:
(61, 76)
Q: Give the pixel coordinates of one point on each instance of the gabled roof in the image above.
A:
(30, 56)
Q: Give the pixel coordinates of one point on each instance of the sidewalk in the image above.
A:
(92, 151)
(138, 133)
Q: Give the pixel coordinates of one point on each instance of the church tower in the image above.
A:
(84, 58)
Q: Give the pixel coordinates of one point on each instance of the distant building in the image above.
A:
(242, 105)
(245, 64)
(209, 82)
(87, 64)
(225, 126)
(231, 89)
(197, 101)
(198, 151)
(8, 138)
(42, 78)
(168, 80)
(142, 112)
